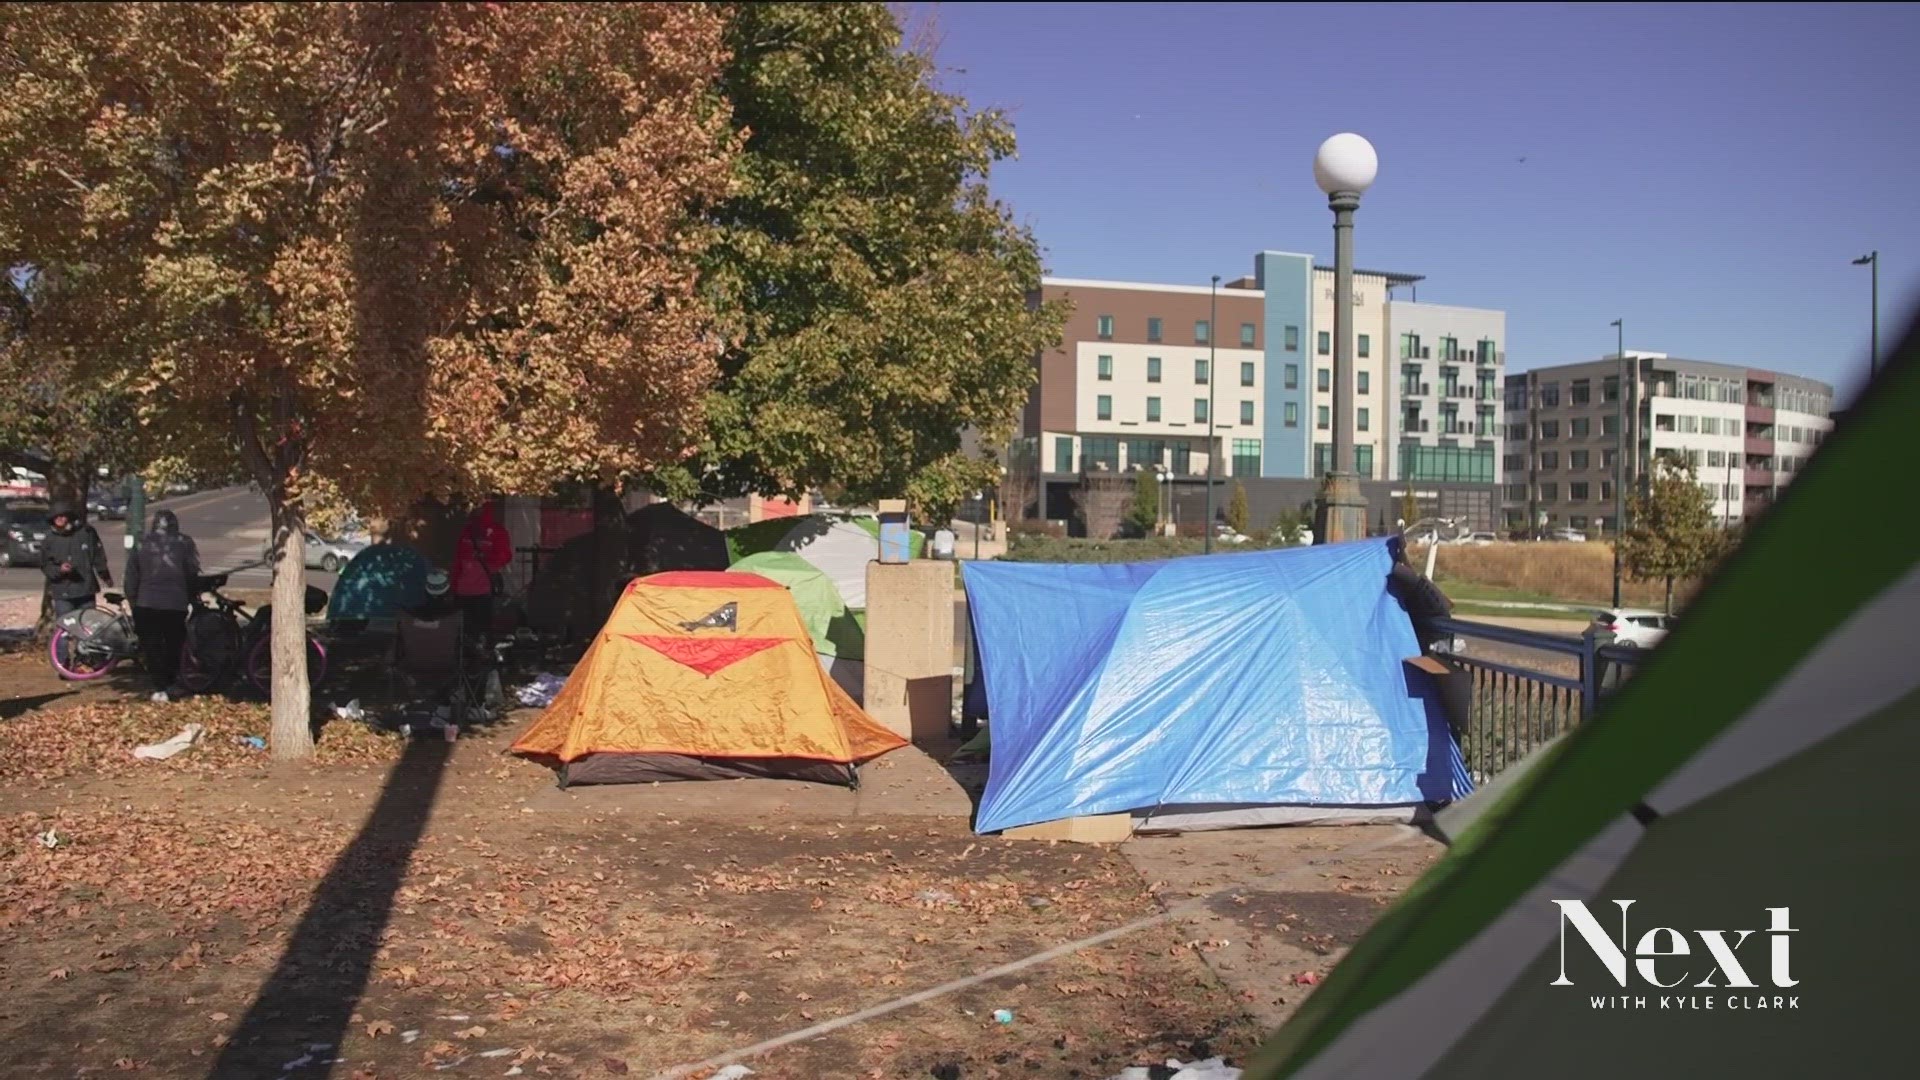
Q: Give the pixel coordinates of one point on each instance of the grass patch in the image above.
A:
(1468, 609)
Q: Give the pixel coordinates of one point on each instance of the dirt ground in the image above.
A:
(425, 907)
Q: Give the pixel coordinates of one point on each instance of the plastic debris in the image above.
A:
(1210, 1069)
(350, 711)
(935, 896)
(161, 751)
(252, 742)
(409, 1036)
(502, 1052)
(1003, 1016)
(733, 1072)
(540, 693)
(51, 839)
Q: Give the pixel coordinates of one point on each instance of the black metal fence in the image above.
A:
(1526, 688)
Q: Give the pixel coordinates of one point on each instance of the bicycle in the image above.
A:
(223, 635)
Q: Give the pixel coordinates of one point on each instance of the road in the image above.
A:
(230, 526)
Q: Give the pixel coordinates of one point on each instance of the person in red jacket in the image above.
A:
(481, 554)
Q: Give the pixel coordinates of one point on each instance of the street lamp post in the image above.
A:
(1213, 317)
(1872, 258)
(1619, 457)
(1344, 167)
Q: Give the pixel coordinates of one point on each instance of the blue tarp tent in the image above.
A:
(380, 582)
(1264, 686)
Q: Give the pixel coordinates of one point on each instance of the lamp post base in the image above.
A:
(1340, 513)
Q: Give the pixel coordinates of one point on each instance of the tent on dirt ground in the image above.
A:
(836, 632)
(662, 537)
(1747, 788)
(379, 583)
(1206, 692)
(703, 675)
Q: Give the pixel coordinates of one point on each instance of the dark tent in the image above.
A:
(660, 537)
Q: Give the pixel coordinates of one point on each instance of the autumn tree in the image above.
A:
(382, 250)
(876, 294)
(1143, 512)
(1237, 514)
(1672, 536)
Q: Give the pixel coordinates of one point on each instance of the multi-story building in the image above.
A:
(1745, 431)
(1128, 385)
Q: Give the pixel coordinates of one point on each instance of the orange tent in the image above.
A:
(703, 675)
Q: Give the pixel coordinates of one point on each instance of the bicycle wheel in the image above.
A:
(260, 663)
(87, 651)
(210, 653)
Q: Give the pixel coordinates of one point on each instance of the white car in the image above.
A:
(1571, 536)
(1633, 628)
(324, 554)
(1478, 539)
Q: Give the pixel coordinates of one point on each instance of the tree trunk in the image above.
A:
(291, 737)
(1669, 596)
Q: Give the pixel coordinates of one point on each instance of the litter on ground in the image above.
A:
(161, 751)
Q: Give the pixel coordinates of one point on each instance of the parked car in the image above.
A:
(1480, 539)
(1571, 536)
(24, 525)
(323, 553)
(106, 507)
(1633, 628)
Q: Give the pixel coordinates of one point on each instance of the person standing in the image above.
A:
(160, 575)
(480, 555)
(74, 562)
(1424, 603)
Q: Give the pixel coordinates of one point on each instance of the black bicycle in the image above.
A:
(223, 637)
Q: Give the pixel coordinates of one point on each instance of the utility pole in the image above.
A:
(1619, 458)
(1213, 317)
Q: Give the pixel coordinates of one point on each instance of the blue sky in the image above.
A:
(1705, 173)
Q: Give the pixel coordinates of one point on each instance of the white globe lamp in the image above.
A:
(1345, 162)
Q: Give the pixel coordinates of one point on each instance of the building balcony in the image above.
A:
(1759, 409)
(1757, 478)
(1758, 446)
(1415, 389)
(1415, 426)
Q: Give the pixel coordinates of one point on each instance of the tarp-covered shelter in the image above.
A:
(703, 675)
(1746, 790)
(379, 583)
(662, 537)
(1222, 690)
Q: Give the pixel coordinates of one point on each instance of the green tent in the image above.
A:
(1746, 791)
(836, 631)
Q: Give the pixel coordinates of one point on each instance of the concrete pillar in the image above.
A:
(909, 677)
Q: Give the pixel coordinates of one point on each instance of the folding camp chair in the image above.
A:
(430, 657)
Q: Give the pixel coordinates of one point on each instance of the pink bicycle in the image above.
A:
(90, 643)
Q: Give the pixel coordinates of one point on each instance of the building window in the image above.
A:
(1363, 419)
(1324, 380)
(1549, 460)
(1488, 351)
(1366, 346)
(1716, 459)
(1153, 328)
(1103, 407)
(1144, 452)
(1549, 492)
(1322, 458)
(1607, 457)
(1063, 454)
(1451, 463)
(1577, 491)
(1199, 410)
(1550, 396)
(1610, 425)
(1577, 460)
(1366, 381)
(1580, 392)
(1577, 427)
(1449, 382)
(1293, 377)
(1246, 373)
(1363, 461)
(1549, 429)
(1182, 459)
(1606, 491)
(1153, 410)
(1246, 457)
(1200, 372)
(1610, 389)
(1106, 327)
(1202, 332)
(1293, 414)
(1325, 343)
(1323, 418)
(1449, 349)
(1096, 451)
(1410, 347)
(1106, 369)
(1248, 335)
(1246, 412)
(1153, 369)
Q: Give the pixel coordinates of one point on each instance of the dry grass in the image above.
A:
(1576, 573)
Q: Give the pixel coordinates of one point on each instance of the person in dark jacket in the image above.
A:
(74, 562)
(1424, 602)
(160, 574)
